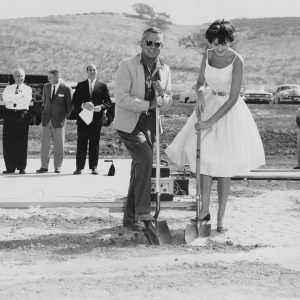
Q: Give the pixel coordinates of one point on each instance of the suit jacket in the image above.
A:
(58, 109)
(100, 96)
(130, 92)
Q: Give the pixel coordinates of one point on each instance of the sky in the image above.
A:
(188, 12)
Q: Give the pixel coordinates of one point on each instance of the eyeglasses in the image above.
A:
(150, 43)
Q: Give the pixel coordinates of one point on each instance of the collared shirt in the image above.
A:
(150, 77)
(56, 88)
(17, 97)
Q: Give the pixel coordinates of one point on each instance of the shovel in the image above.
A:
(197, 233)
(157, 232)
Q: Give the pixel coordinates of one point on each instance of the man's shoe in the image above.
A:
(77, 172)
(95, 172)
(137, 226)
(57, 171)
(42, 170)
(145, 217)
(8, 172)
(22, 171)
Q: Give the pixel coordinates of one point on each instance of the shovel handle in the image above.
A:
(198, 195)
(157, 144)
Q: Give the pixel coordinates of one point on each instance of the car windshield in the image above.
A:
(286, 87)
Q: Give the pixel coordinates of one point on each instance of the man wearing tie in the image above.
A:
(91, 95)
(17, 98)
(57, 106)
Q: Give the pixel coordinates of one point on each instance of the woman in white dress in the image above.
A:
(230, 141)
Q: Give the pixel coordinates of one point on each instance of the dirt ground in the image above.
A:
(84, 253)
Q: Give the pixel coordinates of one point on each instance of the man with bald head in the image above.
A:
(92, 95)
(17, 98)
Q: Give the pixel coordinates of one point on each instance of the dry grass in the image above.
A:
(270, 47)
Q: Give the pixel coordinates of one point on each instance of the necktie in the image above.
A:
(91, 88)
(17, 90)
(53, 92)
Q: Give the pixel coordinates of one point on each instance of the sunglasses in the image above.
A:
(150, 43)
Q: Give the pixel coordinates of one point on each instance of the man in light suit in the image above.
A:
(57, 106)
(92, 95)
(142, 83)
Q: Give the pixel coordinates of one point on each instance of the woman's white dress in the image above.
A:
(231, 146)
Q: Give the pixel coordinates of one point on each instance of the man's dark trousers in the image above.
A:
(87, 136)
(139, 144)
(15, 139)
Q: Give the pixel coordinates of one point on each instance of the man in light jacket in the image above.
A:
(142, 84)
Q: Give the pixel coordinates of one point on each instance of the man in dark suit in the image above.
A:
(57, 106)
(91, 95)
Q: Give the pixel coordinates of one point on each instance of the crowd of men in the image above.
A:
(91, 95)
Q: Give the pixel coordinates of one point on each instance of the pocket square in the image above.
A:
(60, 95)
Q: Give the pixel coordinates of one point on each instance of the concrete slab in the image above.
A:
(32, 186)
(86, 190)
(68, 190)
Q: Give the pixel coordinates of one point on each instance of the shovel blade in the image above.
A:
(163, 233)
(197, 234)
(158, 234)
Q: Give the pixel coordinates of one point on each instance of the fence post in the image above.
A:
(298, 138)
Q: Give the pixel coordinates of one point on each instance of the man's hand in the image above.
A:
(158, 88)
(97, 108)
(156, 102)
(88, 105)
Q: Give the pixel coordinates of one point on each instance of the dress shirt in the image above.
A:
(17, 99)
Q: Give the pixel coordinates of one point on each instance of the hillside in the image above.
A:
(270, 47)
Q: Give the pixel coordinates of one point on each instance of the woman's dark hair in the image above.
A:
(222, 31)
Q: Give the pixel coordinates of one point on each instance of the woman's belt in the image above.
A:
(16, 110)
(219, 93)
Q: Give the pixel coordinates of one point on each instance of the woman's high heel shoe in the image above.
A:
(221, 229)
(205, 219)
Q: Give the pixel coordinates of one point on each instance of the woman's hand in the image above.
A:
(203, 125)
(200, 105)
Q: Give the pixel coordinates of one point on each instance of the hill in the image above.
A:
(270, 47)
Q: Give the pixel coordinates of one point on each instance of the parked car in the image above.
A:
(190, 96)
(287, 92)
(258, 96)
